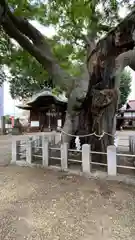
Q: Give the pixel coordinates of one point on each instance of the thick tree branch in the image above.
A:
(28, 30)
(3, 10)
(35, 43)
(123, 60)
(24, 42)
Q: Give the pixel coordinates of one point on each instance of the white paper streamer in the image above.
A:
(77, 143)
(116, 140)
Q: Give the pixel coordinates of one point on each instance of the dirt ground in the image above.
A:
(5, 149)
(45, 205)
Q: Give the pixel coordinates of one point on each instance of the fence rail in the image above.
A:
(42, 148)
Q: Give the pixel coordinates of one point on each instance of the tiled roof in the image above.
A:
(48, 93)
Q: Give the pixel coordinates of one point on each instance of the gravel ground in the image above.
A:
(45, 205)
(5, 150)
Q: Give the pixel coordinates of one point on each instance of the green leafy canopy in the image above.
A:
(71, 20)
(125, 87)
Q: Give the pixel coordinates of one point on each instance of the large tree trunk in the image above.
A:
(97, 112)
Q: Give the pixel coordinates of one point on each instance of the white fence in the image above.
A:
(40, 149)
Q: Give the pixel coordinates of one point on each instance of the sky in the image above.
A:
(10, 105)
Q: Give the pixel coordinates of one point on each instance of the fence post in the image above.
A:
(53, 138)
(29, 151)
(111, 160)
(18, 148)
(14, 151)
(132, 144)
(131, 140)
(116, 140)
(86, 158)
(45, 151)
(64, 156)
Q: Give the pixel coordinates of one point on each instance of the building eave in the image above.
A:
(24, 107)
(47, 93)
